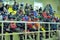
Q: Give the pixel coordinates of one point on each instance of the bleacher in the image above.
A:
(25, 20)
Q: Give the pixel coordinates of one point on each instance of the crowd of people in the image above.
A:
(26, 13)
(20, 12)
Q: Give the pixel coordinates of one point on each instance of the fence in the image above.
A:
(26, 33)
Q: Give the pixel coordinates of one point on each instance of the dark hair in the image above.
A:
(40, 9)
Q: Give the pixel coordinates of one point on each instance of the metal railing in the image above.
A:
(34, 32)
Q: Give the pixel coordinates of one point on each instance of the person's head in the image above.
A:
(31, 10)
(15, 3)
(20, 12)
(54, 11)
(29, 19)
(22, 4)
(5, 18)
(7, 6)
(35, 19)
(10, 13)
(20, 8)
(53, 20)
(40, 9)
(44, 10)
(30, 5)
(26, 4)
(11, 19)
(37, 10)
(49, 4)
(2, 12)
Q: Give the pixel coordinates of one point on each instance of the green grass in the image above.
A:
(15, 36)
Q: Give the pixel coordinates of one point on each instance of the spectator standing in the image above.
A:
(27, 9)
(15, 6)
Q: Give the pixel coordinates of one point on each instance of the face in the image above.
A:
(29, 19)
(53, 20)
(11, 19)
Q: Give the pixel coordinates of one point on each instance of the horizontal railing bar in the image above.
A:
(31, 22)
(13, 33)
(27, 32)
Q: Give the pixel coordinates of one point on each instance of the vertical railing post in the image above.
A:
(38, 33)
(25, 31)
(57, 27)
(49, 30)
(2, 30)
(44, 34)
(57, 31)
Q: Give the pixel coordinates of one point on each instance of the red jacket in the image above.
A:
(45, 15)
(29, 24)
